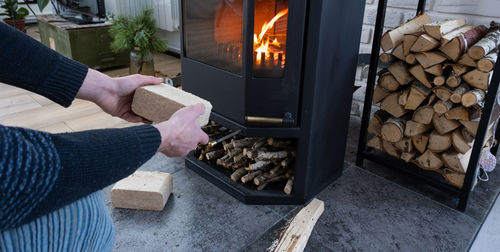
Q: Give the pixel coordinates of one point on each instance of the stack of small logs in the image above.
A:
(432, 93)
(252, 161)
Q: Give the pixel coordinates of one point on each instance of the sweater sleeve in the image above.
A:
(30, 65)
(41, 172)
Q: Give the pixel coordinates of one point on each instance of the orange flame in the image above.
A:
(262, 43)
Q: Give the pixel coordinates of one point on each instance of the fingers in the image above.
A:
(203, 138)
(147, 80)
(132, 118)
(194, 111)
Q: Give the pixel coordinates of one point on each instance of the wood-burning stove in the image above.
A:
(275, 68)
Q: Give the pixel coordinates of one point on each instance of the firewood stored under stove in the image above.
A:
(257, 162)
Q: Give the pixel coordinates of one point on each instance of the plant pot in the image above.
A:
(20, 24)
(141, 64)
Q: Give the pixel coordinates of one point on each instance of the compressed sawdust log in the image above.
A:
(466, 60)
(420, 142)
(289, 186)
(409, 40)
(429, 59)
(418, 72)
(388, 82)
(436, 70)
(477, 79)
(443, 125)
(443, 93)
(473, 97)
(484, 46)
(386, 58)
(400, 72)
(446, 38)
(439, 143)
(425, 43)
(442, 107)
(438, 29)
(423, 115)
(458, 45)
(457, 113)
(418, 93)
(439, 80)
(391, 105)
(487, 63)
(393, 130)
(413, 128)
(459, 142)
(395, 37)
(379, 94)
(456, 97)
(429, 161)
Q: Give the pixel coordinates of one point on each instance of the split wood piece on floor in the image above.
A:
(403, 96)
(459, 142)
(215, 154)
(404, 145)
(442, 107)
(439, 80)
(378, 119)
(470, 126)
(258, 165)
(388, 82)
(477, 79)
(418, 93)
(446, 38)
(453, 80)
(408, 156)
(438, 29)
(455, 179)
(390, 149)
(420, 142)
(379, 94)
(250, 176)
(414, 128)
(400, 72)
(443, 125)
(395, 37)
(423, 115)
(397, 52)
(457, 113)
(238, 174)
(439, 143)
(484, 46)
(487, 63)
(458, 45)
(443, 93)
(456, 161)
(409, 40)
(289, 186)
(473, 97)
(391, 105)
(411, 59)
(386, 58)
(418, 72)
(425, 43)
(428, 59)
(297, 233)
(271, 155)
(466, 60)
(375, 143)
(436, 70)
(393, 129)
(456, 97)
(429, 161)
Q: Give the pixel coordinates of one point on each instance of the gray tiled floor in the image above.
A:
(366, 209)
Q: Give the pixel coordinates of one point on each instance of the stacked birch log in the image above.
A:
(432, 93)
(259, 163)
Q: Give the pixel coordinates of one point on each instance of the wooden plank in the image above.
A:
(16, 104)
(99, 120)
(295, 237)
(56, 128)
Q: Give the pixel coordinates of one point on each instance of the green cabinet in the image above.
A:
(88, 43)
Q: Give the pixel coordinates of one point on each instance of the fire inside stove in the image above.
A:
(214, 35)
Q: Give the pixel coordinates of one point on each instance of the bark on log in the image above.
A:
(388, 82)
(460, 44)
(238, 174)
(439, 143)
(457, 113)
(258, 144)
(425, 43)
(438, 29)
(250, 176)
(400, 72)
(456, 97)
(268, 155)
(394, 37)
(418, 72)
(428, 59)
(258, 165)
(429, 161)
(423, 115)
(459, 142)
(487, 63)
(454, 33)
(484, 46)
(414, 128)
(477, 79)
(442, 93)
(289, 186)
(420, 142)
(443, 125)
(391, 105)
(244, 142)
(473, 97)
(215, 154)
(436, 70)
(442, 107)
(379, 94)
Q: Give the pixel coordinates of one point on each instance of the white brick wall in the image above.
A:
(475, 12)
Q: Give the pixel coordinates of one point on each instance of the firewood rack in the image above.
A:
(410, 169)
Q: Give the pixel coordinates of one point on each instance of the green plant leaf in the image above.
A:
(42, 4)
(22, 13)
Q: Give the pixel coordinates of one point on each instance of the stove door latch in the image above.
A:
(286, 120)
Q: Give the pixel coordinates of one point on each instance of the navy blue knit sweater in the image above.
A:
(41, 172)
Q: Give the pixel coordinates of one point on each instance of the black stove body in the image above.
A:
(276, 68)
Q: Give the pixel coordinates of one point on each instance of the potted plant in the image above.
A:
(15, 15)
(138, 36)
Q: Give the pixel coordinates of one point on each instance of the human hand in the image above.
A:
(114, 95)
(182, 133)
